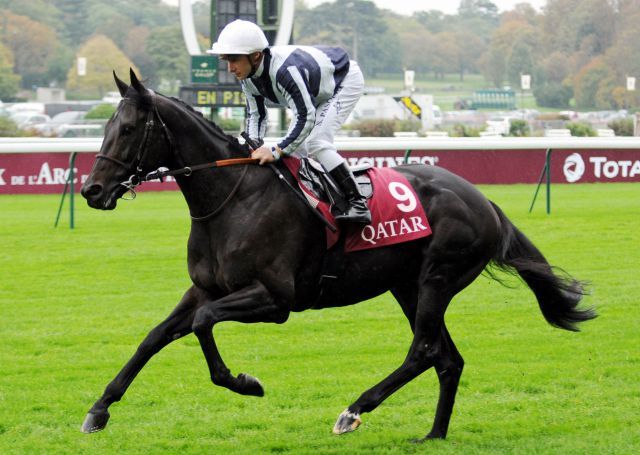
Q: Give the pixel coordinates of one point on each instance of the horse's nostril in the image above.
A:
(91, 190)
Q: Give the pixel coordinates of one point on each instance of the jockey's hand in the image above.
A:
(263, 154)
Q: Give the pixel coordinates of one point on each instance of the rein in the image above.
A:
(138, 177)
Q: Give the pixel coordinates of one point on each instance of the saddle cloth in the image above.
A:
(396, 212)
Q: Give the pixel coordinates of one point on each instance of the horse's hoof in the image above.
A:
(250, 385)
(95, 422)
(429, 437)
(347, 421)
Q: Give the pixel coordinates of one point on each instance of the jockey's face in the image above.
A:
(241, 66)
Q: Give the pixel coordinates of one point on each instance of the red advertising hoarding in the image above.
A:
(46, 173)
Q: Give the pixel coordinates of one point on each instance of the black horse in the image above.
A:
(256, 253)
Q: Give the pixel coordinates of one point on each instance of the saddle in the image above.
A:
(317, 181)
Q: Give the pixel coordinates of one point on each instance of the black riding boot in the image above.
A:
(358, 212)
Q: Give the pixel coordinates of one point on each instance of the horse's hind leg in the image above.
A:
(424, 352)
(177, 325)
(449, 366)
(431, 345)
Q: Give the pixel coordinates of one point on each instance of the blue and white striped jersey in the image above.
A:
(299, 77)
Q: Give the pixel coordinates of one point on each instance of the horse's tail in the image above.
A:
(558, 293)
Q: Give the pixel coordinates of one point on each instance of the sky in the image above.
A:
(408, 7)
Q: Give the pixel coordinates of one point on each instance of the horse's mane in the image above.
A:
(209, 125)
(144, 102)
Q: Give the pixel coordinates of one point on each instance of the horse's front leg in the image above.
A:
(177, 325)
(251, 304)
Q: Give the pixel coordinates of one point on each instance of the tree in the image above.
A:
(469, 49)
(591, 84)
(444, 46)
(415, 38)
(522, 12)
(553, 94)
(202, 19)
(170, 60)
(106, 20)
(624, 55)
(574, 25)
(103, 57)
(32, 45)
(520, 61)
(494, 66)
(152, 13)
(135, 47)
(9, 82)
(433, 20)
(73, 16)
(37, 10)
(358, 26)
(61, 60)
(478, 8)
(512, 52)
(479, 17)
(553, 82)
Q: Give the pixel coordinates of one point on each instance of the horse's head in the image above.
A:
(134, 144)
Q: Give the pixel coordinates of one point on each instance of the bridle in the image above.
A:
(139, 177)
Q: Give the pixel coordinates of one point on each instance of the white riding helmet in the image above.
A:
(240, 37)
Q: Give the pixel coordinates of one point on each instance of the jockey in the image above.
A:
(319, 84)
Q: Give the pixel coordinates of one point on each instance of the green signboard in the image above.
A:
(204, 69)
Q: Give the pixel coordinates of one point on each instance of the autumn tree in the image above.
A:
(592, 84)
(32, 45)
(624, 55)
(37, 10)
(578, 26)
(522, 12)
(513, 50)
(9, 82)
(103, 57)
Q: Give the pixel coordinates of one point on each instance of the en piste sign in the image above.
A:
(216, 95)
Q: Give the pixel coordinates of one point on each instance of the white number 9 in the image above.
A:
(402, 193)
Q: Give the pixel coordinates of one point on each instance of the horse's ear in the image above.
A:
(135, 83)
(122, 86)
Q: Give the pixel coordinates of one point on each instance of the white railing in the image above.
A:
(92, 145)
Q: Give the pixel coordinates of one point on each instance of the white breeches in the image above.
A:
(330, 116)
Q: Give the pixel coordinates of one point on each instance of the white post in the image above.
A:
(82, 66)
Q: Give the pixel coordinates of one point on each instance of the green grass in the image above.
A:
(75, 304)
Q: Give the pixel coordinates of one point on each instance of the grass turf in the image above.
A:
(75, 304)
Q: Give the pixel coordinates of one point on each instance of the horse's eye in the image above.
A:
(126, 130)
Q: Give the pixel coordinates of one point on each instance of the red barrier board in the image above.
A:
(46, 173)
(519, 166)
